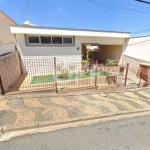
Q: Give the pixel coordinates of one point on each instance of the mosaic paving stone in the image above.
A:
(7, 117)
(16, 104)
(4, 106)
(133, 103)
(54, 108)
(80, 103)
(124, 103)
(60, 101)
(148, 90)
(33, 103)
(37, 111)
(131, 95)
(24, 117)
(110, 106)
(43, 117)
(56, 112)
(143, 93)
(140, 95)
(46, 101)
(73, 111)
(123, 95)
(119, 106)
(101, 106)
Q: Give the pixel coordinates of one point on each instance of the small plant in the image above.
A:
(86, 58)
(112, 62)
(85, 61)
(64, 70)
(64, 74)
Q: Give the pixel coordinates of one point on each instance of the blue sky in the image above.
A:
(83, 14)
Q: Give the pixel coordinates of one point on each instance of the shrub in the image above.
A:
(112, 62)
(64, 70)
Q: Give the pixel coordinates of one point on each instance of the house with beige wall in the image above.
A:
(68, 44)
(6, 37)
(5, 22)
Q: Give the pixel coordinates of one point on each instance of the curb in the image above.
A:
(8, 129)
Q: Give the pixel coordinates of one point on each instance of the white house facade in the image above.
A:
(68, 43)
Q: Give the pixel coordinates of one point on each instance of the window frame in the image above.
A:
(67, 37)
(44, 44)
(58, 37)
(33, 36)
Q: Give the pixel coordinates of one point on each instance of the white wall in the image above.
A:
(62, 50)
(5, 34)
(31, 55)
(6, 48)
(138, 48)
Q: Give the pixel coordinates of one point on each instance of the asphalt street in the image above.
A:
(124, 134)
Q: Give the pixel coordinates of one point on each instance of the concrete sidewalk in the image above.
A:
(16, 113)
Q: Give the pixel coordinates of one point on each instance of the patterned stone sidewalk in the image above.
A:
(28, 111)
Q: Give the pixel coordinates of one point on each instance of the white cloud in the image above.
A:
(60, 9)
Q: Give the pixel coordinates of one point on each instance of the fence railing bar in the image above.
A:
(96, 73)
(126, 74)
(55, 73)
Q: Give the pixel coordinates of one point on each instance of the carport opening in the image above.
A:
(105, 52)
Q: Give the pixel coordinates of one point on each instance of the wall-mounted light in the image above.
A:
(78, 48)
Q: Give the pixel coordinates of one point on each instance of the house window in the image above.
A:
(33, 39)
(45, 39)
(67, 40)
(56, 40)
(49, 40)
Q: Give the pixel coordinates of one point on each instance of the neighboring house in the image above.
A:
(139, 48)
(68, 43)
(5, 22)
(6, 37)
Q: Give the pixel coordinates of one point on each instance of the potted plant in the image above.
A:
(112, 62)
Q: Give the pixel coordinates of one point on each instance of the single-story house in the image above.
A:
(6, 37)
(68, 43)
(5, 22)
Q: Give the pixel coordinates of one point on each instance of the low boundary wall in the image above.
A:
(134, 62)
(9, 69)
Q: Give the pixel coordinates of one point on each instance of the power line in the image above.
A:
(143, 1)
(136, 6)
(140, 43)
(141, 31)
(119, 7)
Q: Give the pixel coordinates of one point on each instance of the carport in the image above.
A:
(104, 52)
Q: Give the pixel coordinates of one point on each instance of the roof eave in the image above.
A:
(67, 32)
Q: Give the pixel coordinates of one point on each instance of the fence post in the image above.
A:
(126, 75)
(96, 73)
(55, 74)
(1, 86)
